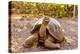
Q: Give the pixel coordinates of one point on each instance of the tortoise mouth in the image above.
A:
(45, 23)
(46, 20)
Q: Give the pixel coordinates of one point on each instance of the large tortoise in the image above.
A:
(50, 32)
(53, 26)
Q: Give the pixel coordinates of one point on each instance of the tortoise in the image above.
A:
(50, 33)
(53, 26)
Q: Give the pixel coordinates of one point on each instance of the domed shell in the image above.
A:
(37, 25)
(55, 29)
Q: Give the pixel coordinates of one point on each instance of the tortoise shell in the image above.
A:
(53, 27)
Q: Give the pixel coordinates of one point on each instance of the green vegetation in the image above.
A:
(56, 10)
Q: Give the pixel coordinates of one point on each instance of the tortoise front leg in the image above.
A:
(35, 44)
(31, 41)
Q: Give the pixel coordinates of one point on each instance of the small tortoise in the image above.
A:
(49, 32)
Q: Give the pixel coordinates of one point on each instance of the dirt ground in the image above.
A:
(20, 30)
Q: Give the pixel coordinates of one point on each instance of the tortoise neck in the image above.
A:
(44, 24)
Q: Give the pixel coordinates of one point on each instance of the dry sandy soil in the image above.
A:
(20, 30)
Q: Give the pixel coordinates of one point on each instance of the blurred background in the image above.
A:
(54, 10)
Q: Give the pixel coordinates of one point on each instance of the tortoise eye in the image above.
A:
(28, 44)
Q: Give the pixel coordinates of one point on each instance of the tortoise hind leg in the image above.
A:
(51, 45)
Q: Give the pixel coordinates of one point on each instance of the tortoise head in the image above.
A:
(45, 20)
